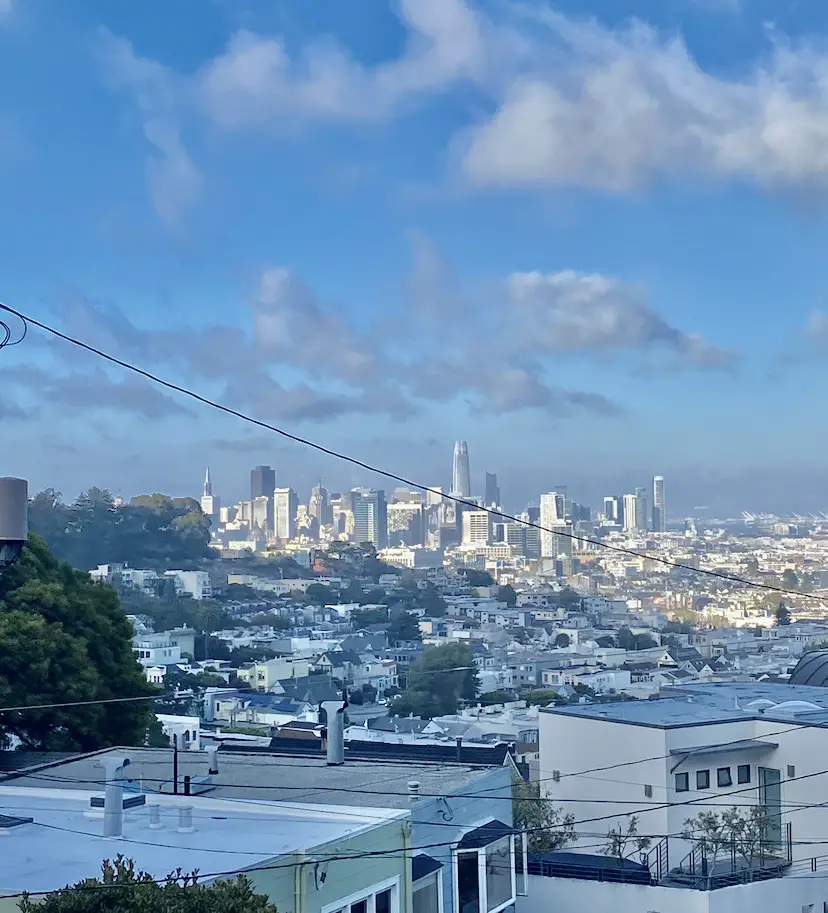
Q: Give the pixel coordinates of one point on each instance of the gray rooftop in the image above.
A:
(698, 704)
(265, 776)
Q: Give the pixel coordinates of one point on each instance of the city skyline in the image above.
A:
(551, 232)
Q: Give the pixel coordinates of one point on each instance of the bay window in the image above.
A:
(485, 869)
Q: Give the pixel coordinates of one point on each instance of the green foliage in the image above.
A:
(508, 595)
(731, 831)
(362, 618)
(171, 611)
(629, 641)
(122, 889)
(562, 641)
(403, 627)
(476, 578)
(548, 828)
(790, 580)
(623, 842)
(499, 696)
(567, 598)
(542, 698)
(65, 638)
(152, 531)
(782, 615)
(319, 594)
(437, 681)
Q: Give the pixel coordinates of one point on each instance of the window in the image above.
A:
(468, 887)
(485, 869)
(425, 897)
(723, 777)
(499, 869)
(743, 773)
(381, 898)
(791, 771)
(703, 779)
(648, 791)
(682, 783)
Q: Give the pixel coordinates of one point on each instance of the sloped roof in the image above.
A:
(812, 669)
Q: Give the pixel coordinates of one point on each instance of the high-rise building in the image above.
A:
(552, 519)
(262, 514)
(406, 523)
(491, 496)
(532, 533)
(210, 504)
(285, 507)
(318, 506)
(614, 509)
(477, 527)
(461, 473)
(659, 508)
(642, 510)
(370, 517)
(262, 482)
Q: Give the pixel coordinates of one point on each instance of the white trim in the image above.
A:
(369, 894)
(420, 883)
(482, 886)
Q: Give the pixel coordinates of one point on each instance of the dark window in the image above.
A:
(468, 886)
(383, 901)
(743, 773)
(682, 783)
(361, 906)
(702, 779)
(723, 777)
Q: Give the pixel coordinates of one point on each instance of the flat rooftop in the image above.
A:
(715, 702)
(367, 784)
(64, 845)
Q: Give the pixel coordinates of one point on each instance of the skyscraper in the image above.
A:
(642, 511)
(614, 509)
(318, 506)
(285, 506)
(210, 504)
(553, 518)
(630, 511)
(370, 517)
(659, 510)
(461, 474)
(491, 495)
(477, 527)
(262, 482)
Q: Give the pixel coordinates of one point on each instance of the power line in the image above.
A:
(730, 578)
(109, 700)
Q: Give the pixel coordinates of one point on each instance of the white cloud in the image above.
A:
(613, 109)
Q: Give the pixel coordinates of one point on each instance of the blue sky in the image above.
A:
(587, 237)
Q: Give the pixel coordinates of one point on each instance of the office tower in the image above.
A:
(659, 511)
(461, 474)
(642, 511)
(262, 514)
(434, 496)
(370, 517)
(630, 508)
(318, 507)
(262, 482)
(513, 534)
(491, 496)
(532, 533)
(210, 504)
(285, 507)
(477, 527)
(552, 519)
(614, 509)
(406, 523)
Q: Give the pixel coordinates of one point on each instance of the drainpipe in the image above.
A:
(299, 882)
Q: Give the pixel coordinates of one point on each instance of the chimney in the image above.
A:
(335, 716)
(212, 756)
(155, 817)
(413, 791)
(185, 819)
(113, 766)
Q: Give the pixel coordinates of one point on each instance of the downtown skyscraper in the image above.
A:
(659, 506)
(460, 472)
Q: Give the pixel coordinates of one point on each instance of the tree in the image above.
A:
(743, 834)
(403, 627)
(500, 696)
(437, 681)
(789, 579)
(548, 828)
(782, 615)
(65, 638)
(508, 595)
(178, 891)
(318, 594)
(562, 641)
(431, 600)
(623, 842)
(475, 578)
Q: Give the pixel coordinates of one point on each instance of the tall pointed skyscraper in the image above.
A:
(210, 505)
(460, 474)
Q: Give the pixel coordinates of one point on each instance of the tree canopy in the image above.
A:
(547, 827)
(782, 615)
(437, 681)
(150, 531)
(477, 578)
(137, 892)
(65, 638)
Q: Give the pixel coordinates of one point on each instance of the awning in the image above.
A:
(743, 745)
(422, 865)
(484, 835)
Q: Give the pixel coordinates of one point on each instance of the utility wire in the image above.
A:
(729, 578)
(109, 700)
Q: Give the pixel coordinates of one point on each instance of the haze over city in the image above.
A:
(418, 255)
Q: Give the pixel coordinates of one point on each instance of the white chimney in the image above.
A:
(335, 717)
(155, 817)
(185, 819)
(212, 755)
(114, 766)
(413, 790)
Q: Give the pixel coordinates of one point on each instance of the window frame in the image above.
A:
(719, 772)
(437, 876)
(482, 886)
(685, 779)
(368, 894)
(739, 769)
(706, 772)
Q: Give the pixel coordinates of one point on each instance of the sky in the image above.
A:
(586, 237)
